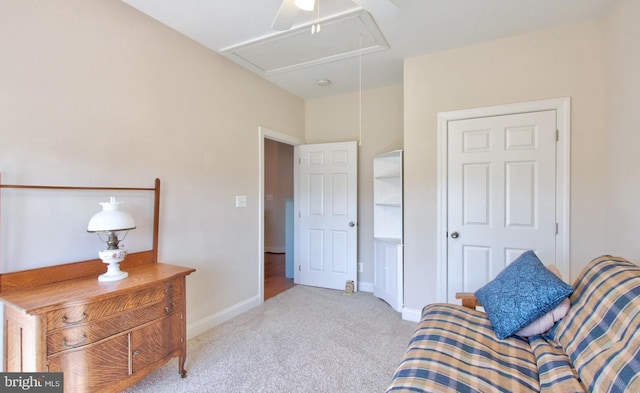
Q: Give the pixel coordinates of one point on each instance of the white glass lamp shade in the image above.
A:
(111, 218)
(306, 5)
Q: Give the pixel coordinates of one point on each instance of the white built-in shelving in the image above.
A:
(387, 228)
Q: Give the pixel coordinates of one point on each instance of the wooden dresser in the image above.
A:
(104, 336)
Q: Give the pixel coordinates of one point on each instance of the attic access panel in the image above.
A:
(341, 37)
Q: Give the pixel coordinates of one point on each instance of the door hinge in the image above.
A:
(557, 135)
(299, 160)
(556, 228)
(299, 268)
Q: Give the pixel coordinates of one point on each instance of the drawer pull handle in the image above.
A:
(168, 309)
(84, 316)
(170, 289)
(65, 345)
(136, 352)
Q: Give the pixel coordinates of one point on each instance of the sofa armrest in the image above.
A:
(468, 299)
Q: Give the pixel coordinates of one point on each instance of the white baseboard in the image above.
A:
(275, 250)
(198, 327)
(412, 315)
(365, 286)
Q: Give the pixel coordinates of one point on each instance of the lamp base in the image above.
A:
(113, 258)
(113, 273)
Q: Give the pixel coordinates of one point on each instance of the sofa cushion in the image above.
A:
(523, 292)
(454, 349)
(545, 322)
(601, 331)
(555, 371)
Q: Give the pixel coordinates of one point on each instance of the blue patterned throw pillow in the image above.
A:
(521, 293)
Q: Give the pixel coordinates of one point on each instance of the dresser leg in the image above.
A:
(181, 370)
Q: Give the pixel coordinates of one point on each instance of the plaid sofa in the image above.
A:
(594, 348)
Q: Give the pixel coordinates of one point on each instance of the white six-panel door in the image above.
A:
(327, 215)
(501, 196)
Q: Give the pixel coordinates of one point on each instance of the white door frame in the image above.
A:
(562, 106)
(266, 133)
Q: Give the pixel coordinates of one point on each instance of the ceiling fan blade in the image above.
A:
(286, 15)
(380, 9)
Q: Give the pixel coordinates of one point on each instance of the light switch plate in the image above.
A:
(241, 201)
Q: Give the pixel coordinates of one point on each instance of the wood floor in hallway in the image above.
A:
(275, 280)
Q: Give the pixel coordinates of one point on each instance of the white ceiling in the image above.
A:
(241, 30)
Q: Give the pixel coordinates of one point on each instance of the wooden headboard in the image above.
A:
(50, 274)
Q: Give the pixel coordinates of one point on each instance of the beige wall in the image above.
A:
(96, 93)
(336, 119)
(560, 62)
(623, 129)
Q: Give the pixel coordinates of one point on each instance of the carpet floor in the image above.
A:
(304, 340)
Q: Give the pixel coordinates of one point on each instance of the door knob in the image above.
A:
(455, 235)
(352, 224)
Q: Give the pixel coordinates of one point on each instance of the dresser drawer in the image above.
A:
(93, 368)
(84, 313)
(87, 333)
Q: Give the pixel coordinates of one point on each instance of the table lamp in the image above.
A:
(109, 221)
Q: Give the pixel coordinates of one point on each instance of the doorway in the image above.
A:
(265, 136)
(339, 258)
(278, 230)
